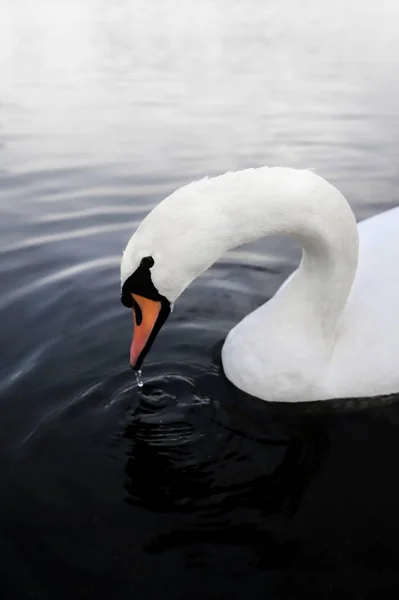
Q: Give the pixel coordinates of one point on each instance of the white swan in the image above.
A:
(332, 329)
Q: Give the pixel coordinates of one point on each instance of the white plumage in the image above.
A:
(331, 330)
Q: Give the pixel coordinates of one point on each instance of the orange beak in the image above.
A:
(145, 315)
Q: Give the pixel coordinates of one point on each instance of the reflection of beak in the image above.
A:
(145, 316)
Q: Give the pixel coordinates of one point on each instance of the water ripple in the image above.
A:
(42, 240)
(39, 284)
(112, 211)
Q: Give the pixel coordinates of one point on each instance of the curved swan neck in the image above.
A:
(197, 224)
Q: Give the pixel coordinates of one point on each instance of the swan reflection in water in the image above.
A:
(225, 476)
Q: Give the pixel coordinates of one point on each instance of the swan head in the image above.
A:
(154, 272)
(150, 307)
(178, 240)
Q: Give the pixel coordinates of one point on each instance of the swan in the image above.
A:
(331, 330)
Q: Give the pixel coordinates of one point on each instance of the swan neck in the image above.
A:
(318, 216)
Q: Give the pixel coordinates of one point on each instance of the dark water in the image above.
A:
(181, 490)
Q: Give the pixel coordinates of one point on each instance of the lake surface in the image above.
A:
(178, 490)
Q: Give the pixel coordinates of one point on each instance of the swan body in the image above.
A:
(331, 329)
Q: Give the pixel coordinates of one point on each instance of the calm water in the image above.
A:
(180, 490)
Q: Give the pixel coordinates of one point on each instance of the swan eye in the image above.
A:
(147, 262)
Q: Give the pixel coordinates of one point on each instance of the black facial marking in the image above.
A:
(140, 283)
(147, 261)
(137, 312)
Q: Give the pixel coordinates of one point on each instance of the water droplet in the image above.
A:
(138, 378)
